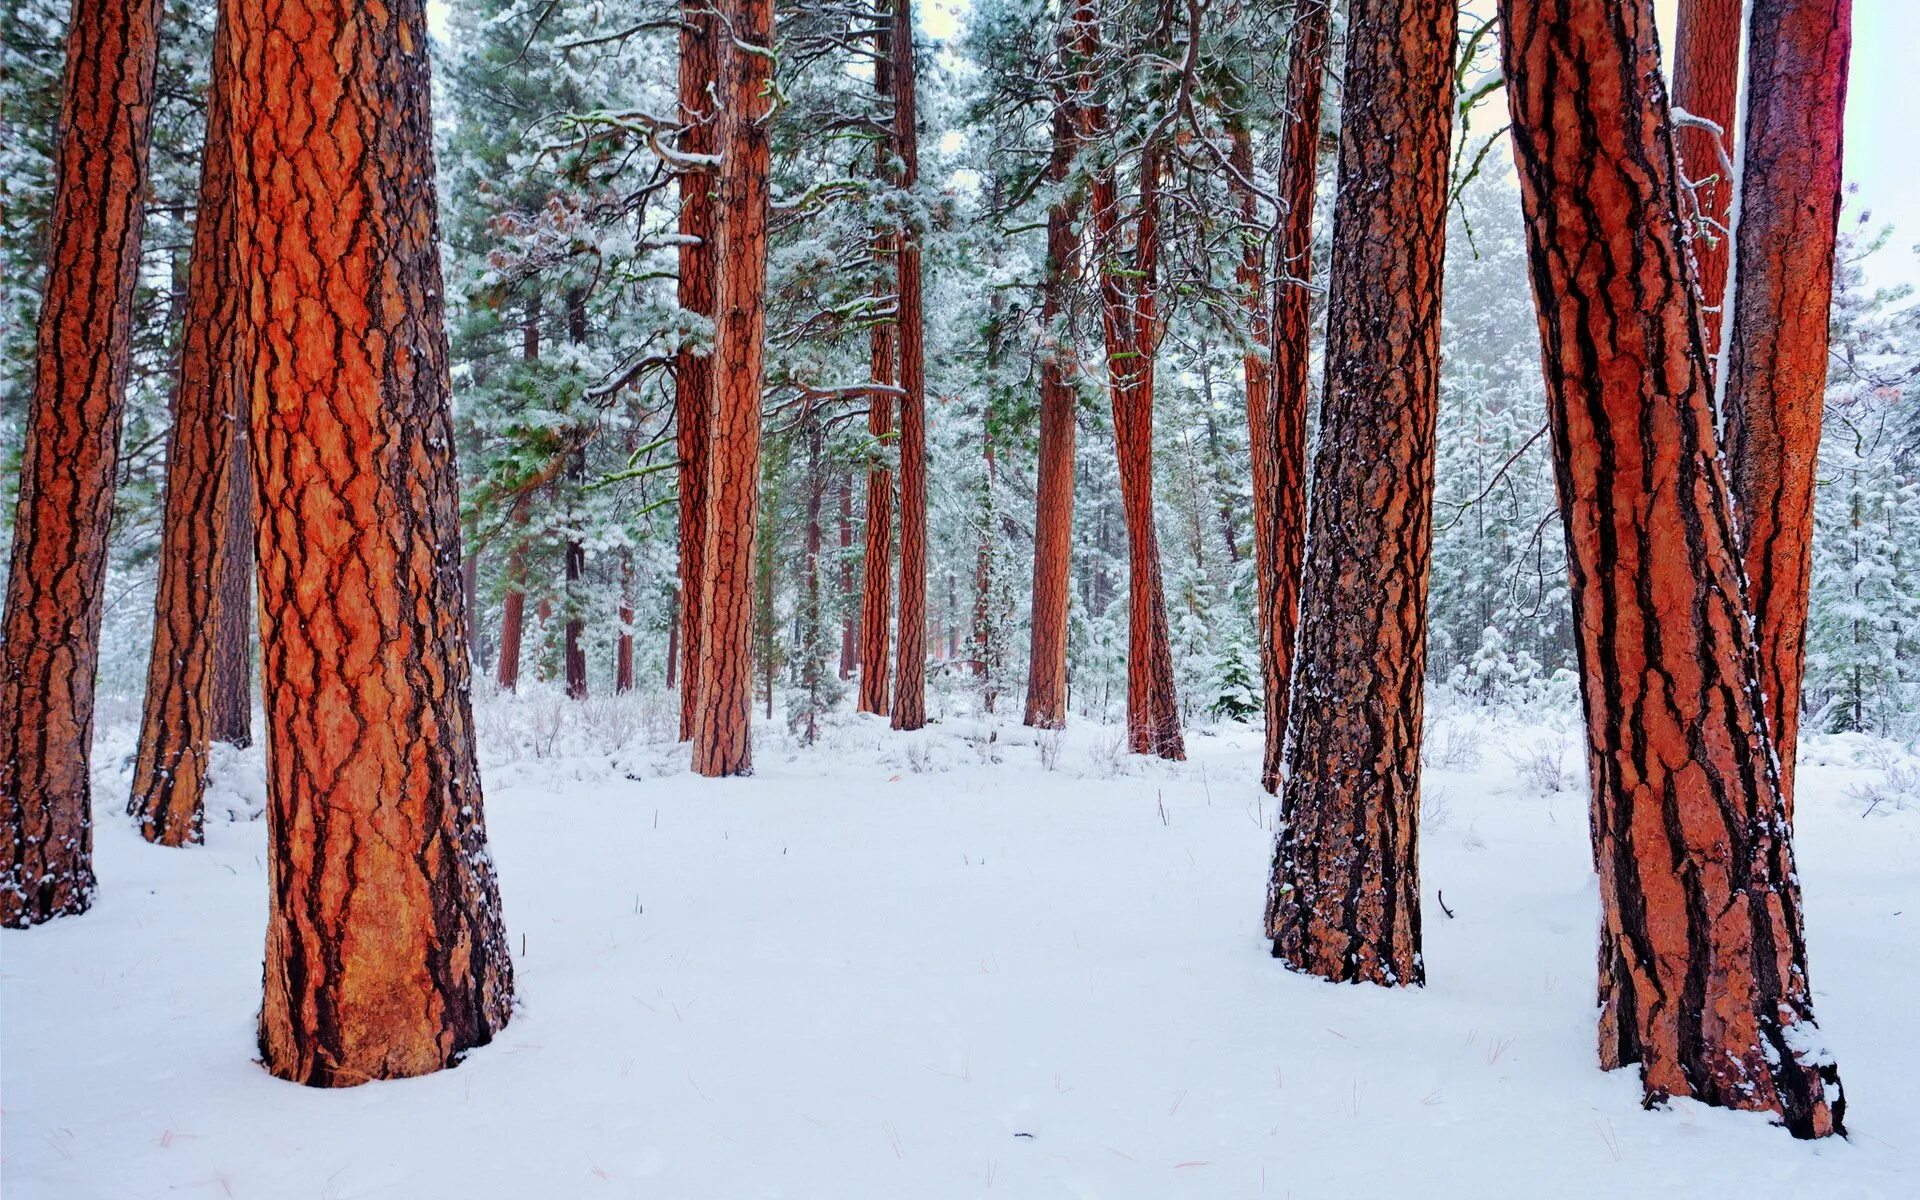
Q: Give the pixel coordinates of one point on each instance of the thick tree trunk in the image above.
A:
(693, 374)
(910, 670)
(1053, 495)
(1129, 307)
(231, 720)
(1702, 964)
(1278, 430)
(198, 544)
(876, 564)
(1706, 83)
(722, 718)
(385, 955)
(50, 636)
(1777, 356)
(1345, 897)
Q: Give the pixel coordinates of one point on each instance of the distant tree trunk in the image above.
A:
(1702, 960)
(910, 671)
(385, 954)
(693, 375)
(1053, 496)
(50, 638)
(673, 638)
(721, 743)
(198, 546)
(1706, 83)
(513, 605)
(1777, 358)
(849, 652)
(574, 652)
(1278, 431)
(1130, 309)
(1345, 897)
(623, 643)
(813, 644)
(986, 635)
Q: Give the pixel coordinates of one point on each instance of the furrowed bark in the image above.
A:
(385, 955)
(1278, 429)
(50, 632)
(693, 374)
(232, 719)
(910, 669)
(1702, 961)
(198, 545)
(722, 718)
(1344, 902)
(1706, 83)
(876, 569)
(1777, 357)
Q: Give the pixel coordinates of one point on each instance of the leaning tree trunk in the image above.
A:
(232, 716)
(1053, 495)
(1129, 308)
(50, 637)
(1706, 83)
(1777, 357)
(721, 744)
(693, 373)
(385, 955)
(1345, 897)
(910, 669)
(1703, 977)
(198, 547)
(1277, 428)
(876, 563)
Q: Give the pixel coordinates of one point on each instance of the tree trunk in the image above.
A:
(1777, 357)
(513, 606)
(693, 375)
(50, 638)
(1706, 83)
(1053, 495)
(1702, 964)
(1129, 307)
(232, 717)
(910, 670)
(876, 578)
(722, 718)
(849, 654)
(1345, 897)
(573, 651)
(623, 643)
(1278, 431)
(200, 554)
(385, 954)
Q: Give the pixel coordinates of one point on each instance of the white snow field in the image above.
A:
(928, 966)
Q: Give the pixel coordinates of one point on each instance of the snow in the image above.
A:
(926, 966)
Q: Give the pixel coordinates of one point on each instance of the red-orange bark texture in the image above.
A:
(722, 717)
(910, 668)
(876, 560)
(1129, 303)
(1777, 356)
(232, 717)
(1702, 965)
(50, 633)
(693, 373)
(385, 955)
(197, 545)
(1344, 902)
(513, 605)
(1277, 412)
(1053, 495)
(1706, 83)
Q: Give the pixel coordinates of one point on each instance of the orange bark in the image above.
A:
(876, 563)
(1344, 902)
(1706, 83)
(385, 955)
(198, 549)
(910, 669)
(722, 718)
(50, 633)
(693, 375)
(1777, 357)
(1703, 977)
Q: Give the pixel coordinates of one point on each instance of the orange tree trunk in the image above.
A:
(1129, 308)
(1053, 495)
(876, 563)
(385, 954)
(513, 606)
(1706, 83)
(50, 635)
(623, 643)
(1777, 358)
(1702, 965)
(721, 718)
(693, 373)
(197, 541)
(1344, 902)
(232, 718)
(910, 670)
(1277, 418)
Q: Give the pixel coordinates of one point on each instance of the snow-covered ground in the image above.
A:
(948, 964)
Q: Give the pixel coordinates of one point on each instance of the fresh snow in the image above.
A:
(913, 966)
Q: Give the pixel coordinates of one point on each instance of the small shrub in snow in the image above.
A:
(1541, 765)
(1048, 742)
(1452, 746)
(1897, 790)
